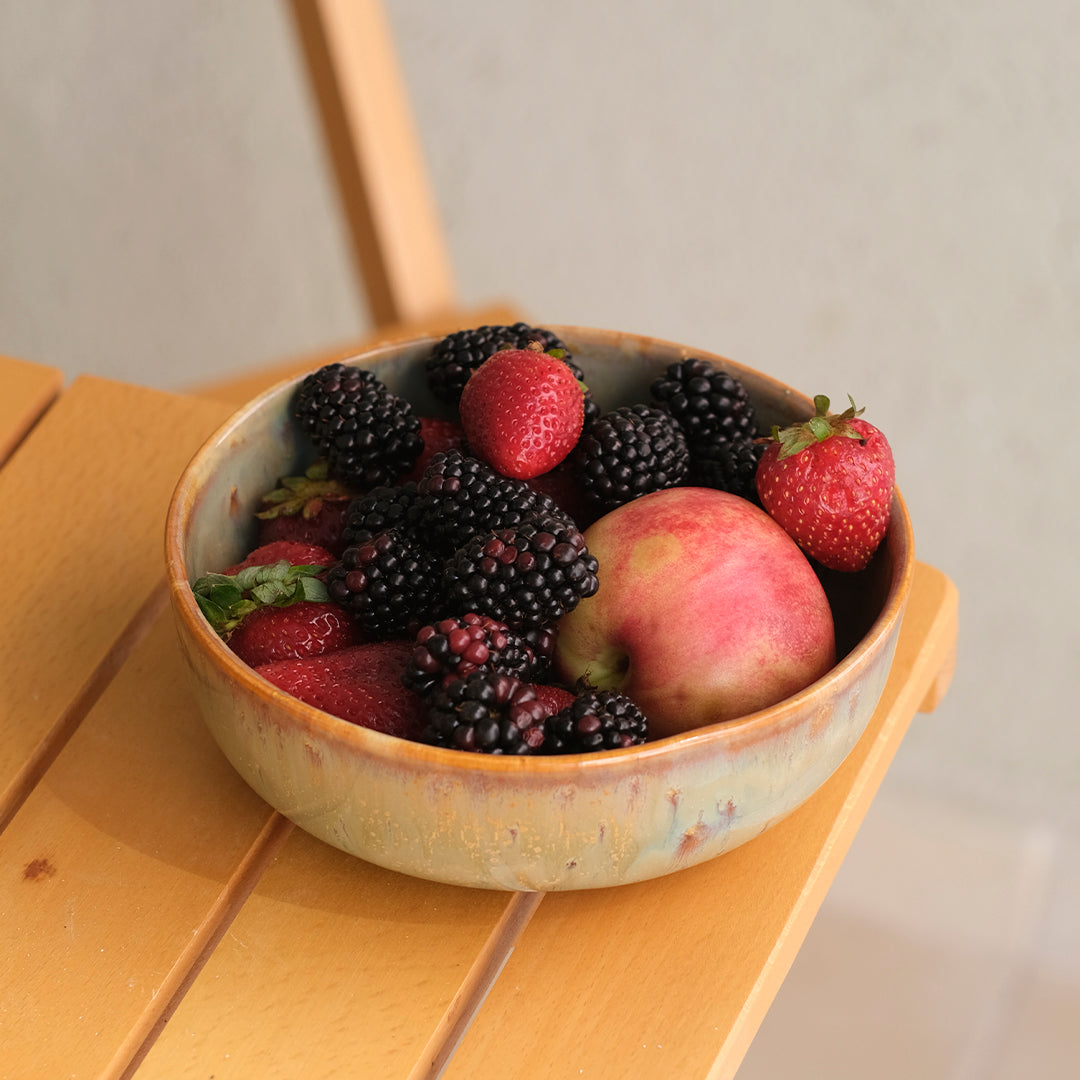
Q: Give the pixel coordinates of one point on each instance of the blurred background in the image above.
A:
(872, 197)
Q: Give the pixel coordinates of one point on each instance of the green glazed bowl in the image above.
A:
(520, 823)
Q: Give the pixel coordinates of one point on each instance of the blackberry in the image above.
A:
(628, 452)
(459, 497)
(705, 401)
(715, 412)
(596, 720)
(458, 355)
(387, 583)
(384, 507)
(452, 648)
(527, 576)
(541, 640)
(486, 712)
(729, 466)
(325, 388)
(369, 435)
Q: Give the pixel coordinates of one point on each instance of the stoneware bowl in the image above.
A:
(527, 823)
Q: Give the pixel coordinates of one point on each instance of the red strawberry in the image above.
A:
(254, 592)
(295, 553)
(522, 411)
(361, 684)
(829, 482)
(306, 509)
(438, 435)
(553, 698)
(306, 628)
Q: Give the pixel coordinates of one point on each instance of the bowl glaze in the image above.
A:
(524, 823)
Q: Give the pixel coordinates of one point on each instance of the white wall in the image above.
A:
(880, 198)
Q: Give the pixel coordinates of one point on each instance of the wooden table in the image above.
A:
(158, 920)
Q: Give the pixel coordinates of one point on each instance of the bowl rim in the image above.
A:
(400, 751)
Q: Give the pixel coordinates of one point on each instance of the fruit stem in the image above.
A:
(821, 426)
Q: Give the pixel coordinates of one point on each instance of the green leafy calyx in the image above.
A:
(304, 495)
(225, 599)
(821, 426)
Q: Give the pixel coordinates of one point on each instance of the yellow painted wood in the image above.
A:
(241, 388)
(81, 552)
(342, 969)
(393, 221)
(673, 977)
(112, 867)
(26, 391)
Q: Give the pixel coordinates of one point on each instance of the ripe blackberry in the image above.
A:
(596, 720)
(384, 507)
(452, 648)
(389, 584)
(729, 466)
(369, 435)
(326, 388)
(541, 640)
(715, 412)
(486, 712)
(458, 355)
(459, 497)
(705, 401)
(527, 576)
(628, 452)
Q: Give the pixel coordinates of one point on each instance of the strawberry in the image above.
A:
(522, 411)
(274, 610)
(828, 483)
(306, 628)
(361, 684)
(306, 509)
(554, 698)
(438, 435)
(226, 599)
(295, 553)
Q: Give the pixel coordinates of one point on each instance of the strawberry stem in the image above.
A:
(303, 495)
(224, 599)
(821, 426)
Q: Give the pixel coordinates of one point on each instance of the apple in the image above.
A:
(707, 610)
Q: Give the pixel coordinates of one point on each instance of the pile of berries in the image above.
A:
(413, 579)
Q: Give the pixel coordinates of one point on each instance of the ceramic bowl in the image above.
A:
(521, 823)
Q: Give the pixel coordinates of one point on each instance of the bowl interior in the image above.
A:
(211, 522)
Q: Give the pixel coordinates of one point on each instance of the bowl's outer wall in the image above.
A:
(510, 823)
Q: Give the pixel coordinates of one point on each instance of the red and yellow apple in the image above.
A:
(707, 610)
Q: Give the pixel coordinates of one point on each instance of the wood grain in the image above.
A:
(355, 968)
(81, 553)
(377, 159)
(123, 856)
(26, 391)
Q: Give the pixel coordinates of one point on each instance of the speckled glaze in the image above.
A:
(574, 822)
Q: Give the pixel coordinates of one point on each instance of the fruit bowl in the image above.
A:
(504, 822)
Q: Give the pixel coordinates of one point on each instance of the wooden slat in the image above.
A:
(125, 867)
(355, 968)
(239, 389)
(26, 391)
(393, 222)
(81, 556)
(119, 870)
(673, 977)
